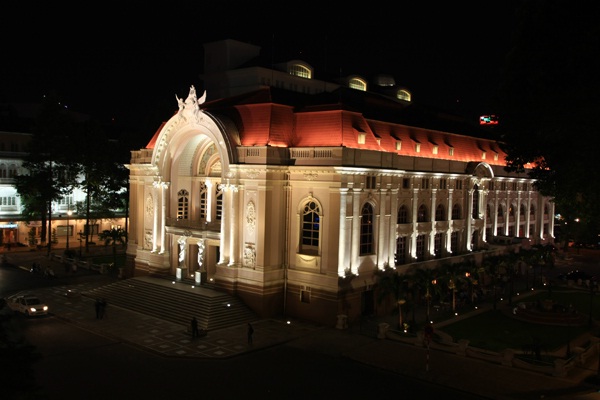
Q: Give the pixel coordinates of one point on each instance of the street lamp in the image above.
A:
(69, 213)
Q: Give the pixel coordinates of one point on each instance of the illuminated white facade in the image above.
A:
(275, 196)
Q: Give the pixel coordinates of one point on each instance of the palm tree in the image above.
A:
(426, 279)
(392, 284)
(113, 237)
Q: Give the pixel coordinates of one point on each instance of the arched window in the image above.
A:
(440, 213)
(475, 202)
(300, 70)
(532, 213)
(403, 95)
(456, 212)
(422, 214)
(358, 84)
(500, 211)
(366, 230)
(182, 204)
(403, 215)
(522, 211)
(311, 227)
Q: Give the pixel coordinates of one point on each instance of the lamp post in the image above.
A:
(69, 213)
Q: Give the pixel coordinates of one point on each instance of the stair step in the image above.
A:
(176, 303)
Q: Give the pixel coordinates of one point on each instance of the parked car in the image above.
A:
(28, 304)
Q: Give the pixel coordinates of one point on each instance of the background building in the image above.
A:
(15, 230)
(277, 187)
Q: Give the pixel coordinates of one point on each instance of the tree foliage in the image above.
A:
(549, 97)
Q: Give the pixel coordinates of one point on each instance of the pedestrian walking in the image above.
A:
(194, 326)
(103, 305)
(250, 333)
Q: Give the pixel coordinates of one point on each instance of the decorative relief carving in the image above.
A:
(311, 176)
(250, 216)
(249, 255)
(201, 246)
(148, 240)
(149, 206)
(251, 174)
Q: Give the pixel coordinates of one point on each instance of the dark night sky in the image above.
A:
(129, 62)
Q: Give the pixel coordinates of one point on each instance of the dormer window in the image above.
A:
(362, 138)
(398, 145)
(358, 84)
(301, 71)
(417, 147)
(434, 149)
(403, 95)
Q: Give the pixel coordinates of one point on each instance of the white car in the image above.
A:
(28, 304)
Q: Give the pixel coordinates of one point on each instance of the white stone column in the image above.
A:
(495, 224)
(343, 236)
(163, 218)
(450, 221)
(415, 209)
(431, 247)
(393, 228)
(469, 219)
(356, 220)
(225, 238)
(156, 214)
(232, 212)
(485, 216)
(210, 200)
(528, 217)
(381, 229)
(518, 216)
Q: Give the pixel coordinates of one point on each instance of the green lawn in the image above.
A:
(493, 330)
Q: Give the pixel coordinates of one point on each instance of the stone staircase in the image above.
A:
(177, 303)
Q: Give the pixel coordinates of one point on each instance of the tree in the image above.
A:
(548, 99)
(114, 237)
(50, 172)
(105, 177)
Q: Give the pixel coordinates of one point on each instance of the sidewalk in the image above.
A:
(358, 343)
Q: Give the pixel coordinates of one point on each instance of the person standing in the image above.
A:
(250, 333)
(194, 325)
(98, 306)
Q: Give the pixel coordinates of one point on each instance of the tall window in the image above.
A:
(456, 214)
(219, 208)
(421, 239)
(422, 214)
(403, 215)
(366, 230)
(438, 242)
(400, 256)
(440, 213)
(182, 204)
(310, 228)
(476, 202)
(454, 242)
(203, 209)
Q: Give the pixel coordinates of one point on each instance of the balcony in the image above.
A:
(188, 224)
